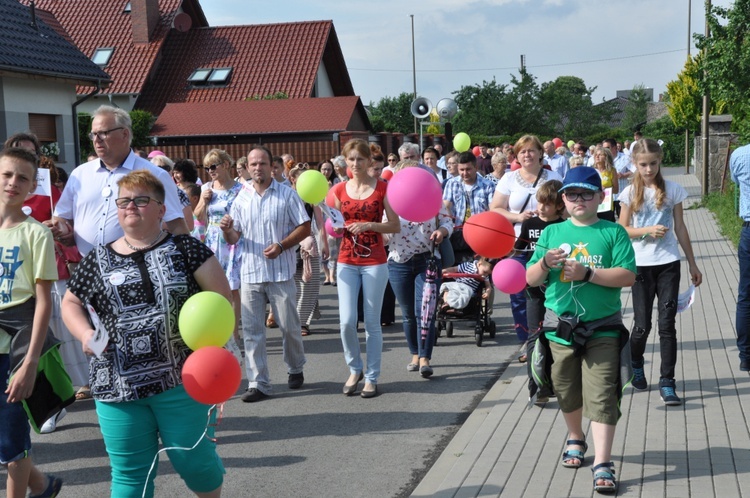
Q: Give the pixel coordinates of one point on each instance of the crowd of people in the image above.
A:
(149, 232)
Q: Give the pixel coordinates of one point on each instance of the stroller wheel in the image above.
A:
(449, 329)
(492, 329)
(478, 335)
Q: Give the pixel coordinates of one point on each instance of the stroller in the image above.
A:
(478, 311)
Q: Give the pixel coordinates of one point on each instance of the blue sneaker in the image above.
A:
(639, 379)
(668, 394)
(53, 488)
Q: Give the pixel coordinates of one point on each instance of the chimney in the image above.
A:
(144, 14)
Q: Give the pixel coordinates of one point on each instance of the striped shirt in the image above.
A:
(263, 221)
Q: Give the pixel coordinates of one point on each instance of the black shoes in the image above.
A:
(350, 389)
(252, 395)
(745, 365)
(296, 380)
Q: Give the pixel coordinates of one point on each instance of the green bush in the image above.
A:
(84, 128)
(724, 209)
(673, 138)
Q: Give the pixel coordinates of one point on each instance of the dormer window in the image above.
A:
(210, 77)
(127, 8)
(102, 55)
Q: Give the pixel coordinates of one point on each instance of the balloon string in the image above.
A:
(205, 434)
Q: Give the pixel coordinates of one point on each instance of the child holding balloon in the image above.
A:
(584, 263)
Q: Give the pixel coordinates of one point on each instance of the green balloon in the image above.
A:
(312, 186)
(461, 142)
(206, 319)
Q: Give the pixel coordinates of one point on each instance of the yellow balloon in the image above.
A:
(461, 142)
(206, 319)
(312, 186)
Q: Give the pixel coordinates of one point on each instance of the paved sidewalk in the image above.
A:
(700, 449)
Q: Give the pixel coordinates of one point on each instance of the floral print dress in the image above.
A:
(229, 255)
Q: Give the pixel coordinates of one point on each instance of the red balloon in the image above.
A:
(476, 151)
(509, 276)
(558, 142)
(331, 198)
(211, 375)
(489, 234)
(349, 172)
(386, 174)
(515, 165)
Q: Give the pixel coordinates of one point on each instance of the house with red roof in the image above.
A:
(40, 69)
(207, 85)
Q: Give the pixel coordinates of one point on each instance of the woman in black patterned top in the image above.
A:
(135, 287)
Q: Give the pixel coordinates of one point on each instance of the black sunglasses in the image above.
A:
(213, 167)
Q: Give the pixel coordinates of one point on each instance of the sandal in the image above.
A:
(605, 472)
(305, 331)
(569, 455)
(83, 393)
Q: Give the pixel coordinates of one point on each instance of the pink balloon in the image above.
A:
(415, 194)
(509, 276)
(330, 231)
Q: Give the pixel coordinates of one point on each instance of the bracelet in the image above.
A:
(282, 247)
(544, 264)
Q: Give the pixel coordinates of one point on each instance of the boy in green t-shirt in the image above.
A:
(585, 262)
(27, 270)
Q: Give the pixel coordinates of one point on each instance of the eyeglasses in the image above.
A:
(213, 167)
(102, 135)
(140, 201)
(392, 160)
(360, 250)
(576, 196)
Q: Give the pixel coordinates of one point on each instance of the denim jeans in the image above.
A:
(372, 279)
(662, 281)
(15, 441)
(407, 280)
(743, 296)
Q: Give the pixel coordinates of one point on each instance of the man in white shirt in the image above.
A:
(267, 220)
(623, 165)
(88, 200)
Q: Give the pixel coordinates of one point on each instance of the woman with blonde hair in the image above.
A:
(606, 169)
(217, 196)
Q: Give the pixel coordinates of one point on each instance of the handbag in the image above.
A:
(53, 389)
(67, 259)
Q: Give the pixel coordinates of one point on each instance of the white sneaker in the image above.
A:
(51, 424)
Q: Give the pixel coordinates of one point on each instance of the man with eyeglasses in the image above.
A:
(88, 201)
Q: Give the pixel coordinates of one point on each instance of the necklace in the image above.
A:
(149, 246)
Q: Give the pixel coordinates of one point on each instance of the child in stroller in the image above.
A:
(466, 294)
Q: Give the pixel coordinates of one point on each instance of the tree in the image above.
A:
(567, 106)
(142, 123)
(393, 114)
(636, 109)
(685, 105)
(270, 96)
(527, 115)
(483, 110)
(725, 69)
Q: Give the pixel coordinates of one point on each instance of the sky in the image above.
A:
(610, 44)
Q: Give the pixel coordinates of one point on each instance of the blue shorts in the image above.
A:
(15, 439)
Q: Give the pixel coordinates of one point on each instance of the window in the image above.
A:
(210, 77)
(199, 76)
(102, 55)
(127, 7)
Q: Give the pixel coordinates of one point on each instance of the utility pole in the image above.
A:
(706, 110)
(414, 70)
(687, 130)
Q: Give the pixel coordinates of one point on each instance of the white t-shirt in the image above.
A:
(648, 250)
(517, 190)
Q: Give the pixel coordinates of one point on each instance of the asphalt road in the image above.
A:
(317, 442)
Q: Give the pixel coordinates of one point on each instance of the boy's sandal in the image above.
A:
(569, 455)
(83, 393)
(305, 330)
(605, 472)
